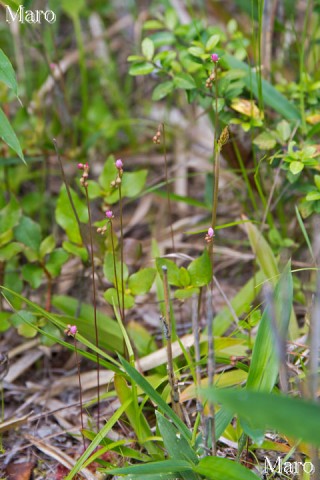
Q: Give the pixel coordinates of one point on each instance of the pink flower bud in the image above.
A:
(109, 214)
(53, 66)
(215, 57)
(119, 164)
(73, 329)
(80, 166)
(210, 232)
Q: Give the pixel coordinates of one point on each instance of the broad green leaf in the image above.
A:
(46, 246)
(184, 277)
(184, 80)
(172, 269)
(147, 48)
(147, 388)
(313, 196)
(9, 251)
(296, 167)
(272, 97)
(21, 321)
(161, 39)
(8, 136)
(108, 174)
(162, 90)
(264, 367)
(108, 269)
(28, 232)
(265, 141)
(200, 270)
(184, 293)
(10, 215)
(196, 51)
(219, 468)
(7, 74)
(212, 42)
(171, 18)
(33, 274)
(55, 261)
(283, 130)
(142, 339)
(4, 321)
(111, 296)
(81, 252)
(131, 186)
(143, 68)
(141, 282)
(65, 216)
(293, 417)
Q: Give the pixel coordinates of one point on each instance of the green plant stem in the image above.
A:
(171, 376)
(121, 255)
(115, 268)
(80, 393)
(94, 304)
(167, 184)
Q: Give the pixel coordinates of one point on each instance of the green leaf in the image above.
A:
(8, 136)
(184, 293)
(65, 216)
(152, 25)
(112, 297)
(172, 268)
(46, 246)
(296, 167)
(28, 232)
(147, 48)
(156, 398)
(110, 337)
(184, 81)
(7, 74)
(272, 97)
(176, 445)
(212, 42)
(9, 251)
(141, 68)
(141, 282)
(21, 321)
(200, 270)
(265, 141)
(133, 183)
(184, 277)
(218, 468)
(32, 274)
(152, 468)
(264, 366)
(283, 130)
(9, 215)
(76, 250)
(313, 196)
(108, 269)
(161, 39)
(196, 51)
(171, 18)
(293, 417)
(55, 261)
(71, 8)
(162, 90)
(4, 322)
(109, 174)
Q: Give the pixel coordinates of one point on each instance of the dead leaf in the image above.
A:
(20, 471)
(246, 107)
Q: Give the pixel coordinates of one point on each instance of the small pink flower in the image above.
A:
(71, 330)
(53, 66)
(119, 164)
(210, 232)
(215, 57)
(80, 166)
(109, 214)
